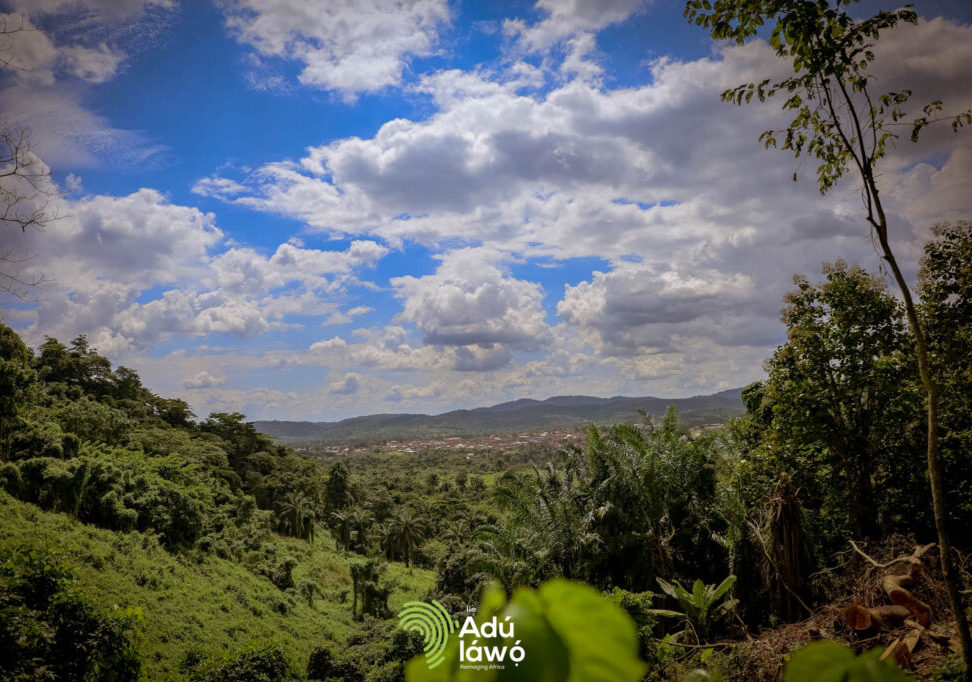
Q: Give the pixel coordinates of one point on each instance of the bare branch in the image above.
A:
(7, 31)
(26, 194)
(914, 557)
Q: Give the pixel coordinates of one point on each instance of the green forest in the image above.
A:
(143, 542)
(826, 535)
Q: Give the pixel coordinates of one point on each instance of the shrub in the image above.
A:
(638, 605)
(283, 575)
(320, 666)
(10, 477)
(48, 630)
(94, 421)
(42, 440)
(265, 663)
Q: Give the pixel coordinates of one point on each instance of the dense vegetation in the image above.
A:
(166, 545)
(139, 540)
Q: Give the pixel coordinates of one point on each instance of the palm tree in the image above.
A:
(409, 531)
(297, 516)
(430, 511)
(342, 527)
(384, 533)
(627, 509)
(360, 520)
(458, 532)
(509, 554)
(552, 524)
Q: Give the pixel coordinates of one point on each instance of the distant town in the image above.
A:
(471, 445)
(550, 439)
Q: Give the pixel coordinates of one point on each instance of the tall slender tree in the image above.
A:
(841, 123)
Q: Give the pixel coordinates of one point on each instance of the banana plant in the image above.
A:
(702, 606)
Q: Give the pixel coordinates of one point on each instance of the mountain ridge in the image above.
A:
(524, 414)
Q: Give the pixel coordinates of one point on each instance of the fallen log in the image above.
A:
(862, 618)
(896, 587)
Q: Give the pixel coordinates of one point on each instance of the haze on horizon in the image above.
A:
(428, 205)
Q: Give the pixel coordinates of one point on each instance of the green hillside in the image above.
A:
(141, 543)
(203, 604)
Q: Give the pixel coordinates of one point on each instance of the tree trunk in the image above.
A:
(861, 496)
(934, 463)
(786, 552)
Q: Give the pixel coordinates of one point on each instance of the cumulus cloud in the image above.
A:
(204, 380)
(349, 47)
(478, 359)
(346, 385)
(244, 270)
(394, 349)
(702, 229)
(387, 348)
(345, 316)
(133, 270)
(470, 300)
(632, 310)
(565, 18)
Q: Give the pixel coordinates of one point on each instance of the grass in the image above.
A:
(211, 605)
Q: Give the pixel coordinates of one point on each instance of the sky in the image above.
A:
(318, 209)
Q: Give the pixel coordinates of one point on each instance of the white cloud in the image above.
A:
(346, 385)
(578, 60)
(633, 310)
(471, 300)
(66, 134)
(53, 49)
(349, 47)
(26, 49)
(87, 39)
(131, 271)
(95, 65)
(345, 316)
(56, 48)
(701, 228)
(204, 380)
(103, 10)
(243, 270)
(565, 18)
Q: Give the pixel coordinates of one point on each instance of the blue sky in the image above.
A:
(313, 210)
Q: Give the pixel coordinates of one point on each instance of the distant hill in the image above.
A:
(519, 415)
